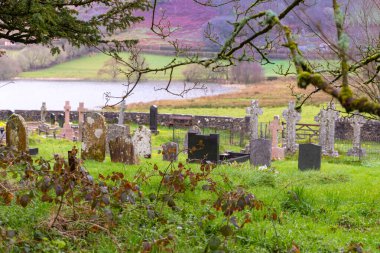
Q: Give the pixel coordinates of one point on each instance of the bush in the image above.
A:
(9, 68)
(246, 72)
(198, 73)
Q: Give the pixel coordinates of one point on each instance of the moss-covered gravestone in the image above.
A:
(94, 137)
(16, 133)
(120, 145)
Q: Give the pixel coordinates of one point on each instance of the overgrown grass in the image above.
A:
(320, 211)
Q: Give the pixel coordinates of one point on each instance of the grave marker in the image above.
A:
(261, 152)
(16, 133)
(203, 148)
(275, 126)
(94, 137)
(153, 118)
(357, 121)
(309, 157)
(142, 141)
(292, 117)
(170, 151)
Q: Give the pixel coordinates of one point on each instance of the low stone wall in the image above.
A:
(369, 132)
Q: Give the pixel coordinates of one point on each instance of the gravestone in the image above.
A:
(193, 129)
(81, 110)
(356, 122)
(292, 117)
(122, 149)
(114, 131)
(275, 126)
(121, 113)
(253, 113)
(43, 112)
(153, 118)
(170, 151)
(94, 137)
(203, 148)
(52, 119)
(16, 133)
(67, 131)
(61, 119)
(261, 152)
(142, 141)
(309, 157)
(332, 116)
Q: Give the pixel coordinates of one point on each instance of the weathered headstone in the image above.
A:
(94, 137)
(170, 151)
(67, 131)
(203, 148)
(292, 117)
(193, 129)
(43, 112)
(309, 157)
(253, 112)
(121, 113)
(275, 126)
(332, 116)
(321, 118)
(261, 152)
(61, 119)
(52, 119)
(122, 149)
(357, 121)
(81, 111)
(114, 131)
(153, 118)
(16, 133)
(142, 141)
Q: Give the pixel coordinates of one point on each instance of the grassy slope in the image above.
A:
(334, 207)
(87, 68)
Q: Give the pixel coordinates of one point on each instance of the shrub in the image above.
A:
(246, 72)
(9, 68)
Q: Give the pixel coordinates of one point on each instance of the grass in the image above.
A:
(320, 211)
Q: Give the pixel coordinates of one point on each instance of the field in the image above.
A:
(332, 210)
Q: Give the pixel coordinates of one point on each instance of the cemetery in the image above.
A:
(190, 126)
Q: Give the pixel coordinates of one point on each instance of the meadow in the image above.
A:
(332, 210)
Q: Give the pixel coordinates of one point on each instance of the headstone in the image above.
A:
(67, 131)
(253, 112)
(33, 151)
(121, 113)
(43, 112)
(261, 152)
(94, 137)
(292, 117)
(275, 126)
(357, 121)
(332, 116)
(16, 133)
(203, 148)
(61, 119)
(142, 141)
(193, 129)
(122, 150)
(81, 111)
(321, 118)
(114, 131)
(170, 151)
(153, 118)
(309, 157)
(52, 119)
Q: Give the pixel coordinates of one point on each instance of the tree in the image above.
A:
(262, 27)
(44, 21)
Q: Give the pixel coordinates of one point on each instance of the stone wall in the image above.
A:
(370, 130)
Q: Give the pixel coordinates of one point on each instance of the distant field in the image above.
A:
(87, 67)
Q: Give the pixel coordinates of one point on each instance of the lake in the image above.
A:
(29, 94)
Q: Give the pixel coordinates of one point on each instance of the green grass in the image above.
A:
(320, 211)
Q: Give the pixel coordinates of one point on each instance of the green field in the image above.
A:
(332, 210)
(87, 67)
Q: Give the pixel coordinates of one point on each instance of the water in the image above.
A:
(29, 94)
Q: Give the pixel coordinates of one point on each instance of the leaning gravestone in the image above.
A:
(170, 151)
(153, 118)
(94, 137)
(16, 133)
(261, 152)
(193, 129)
(122, 150)
(203, 148)
(142, 141)
(309, 157)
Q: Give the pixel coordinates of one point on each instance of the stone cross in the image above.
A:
(254, 111)
(121, 113)
(67, 131)
(275, 126)
(332, 115)
(292, 117)
(356, 122)
(43, 112)
(81, 111)
(322, 120)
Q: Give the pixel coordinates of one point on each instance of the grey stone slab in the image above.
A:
(261, 152)
(309, 157)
